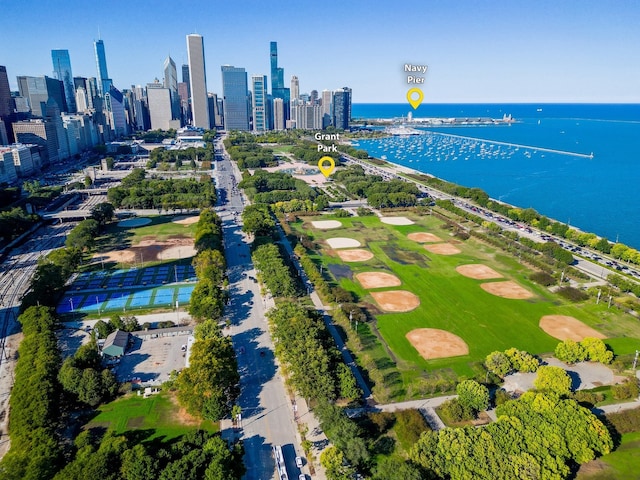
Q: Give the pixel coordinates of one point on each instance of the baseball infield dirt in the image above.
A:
(443, 249)
(507, 289)
(370, 280)
(343, 242)
(355, 255)
(423, 237)
(433, 343)
(396, 300)
(478, 272)
(564, 327)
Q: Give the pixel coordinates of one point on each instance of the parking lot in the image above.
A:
(149, 362)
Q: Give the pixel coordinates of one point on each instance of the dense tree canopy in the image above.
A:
(535, 436)
(208, 388)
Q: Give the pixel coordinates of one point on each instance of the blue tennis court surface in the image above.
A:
(121, 290)
(184, 293)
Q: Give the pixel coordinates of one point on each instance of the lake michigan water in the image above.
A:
(599, 194)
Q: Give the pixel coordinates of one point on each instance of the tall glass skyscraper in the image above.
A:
(104, 82)
(341, 108)
(198, 81)
(236, 98)
(62, 71)
(278, 89)
(259, 99)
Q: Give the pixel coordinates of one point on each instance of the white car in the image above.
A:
(299, 462)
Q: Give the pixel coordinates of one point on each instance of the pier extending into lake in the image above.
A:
(529, 147)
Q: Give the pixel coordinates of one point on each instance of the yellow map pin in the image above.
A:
(415, 102)
(327, 170)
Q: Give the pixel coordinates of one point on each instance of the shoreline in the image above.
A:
(394, 168)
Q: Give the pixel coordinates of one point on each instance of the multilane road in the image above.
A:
(267, 413)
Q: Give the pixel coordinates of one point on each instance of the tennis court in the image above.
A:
(129, 289)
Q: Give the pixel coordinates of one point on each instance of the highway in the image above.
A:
(267, 412)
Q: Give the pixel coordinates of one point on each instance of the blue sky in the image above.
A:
(477, 51)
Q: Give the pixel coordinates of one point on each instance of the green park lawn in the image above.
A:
(157, 414)
(452, 302)
(161, 228)
(621, 464)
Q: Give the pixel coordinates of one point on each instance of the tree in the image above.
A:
(596, 350)
(396, 468)
(257, 220)
(137, 464)
(334, 464)
(208, 388)
(347, 383)
(102, 213)
(498, 363)
(554, 380)
(103, 329)
(570, 351)
(473, 395)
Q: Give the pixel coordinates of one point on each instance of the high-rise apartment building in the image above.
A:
(62, 71)
(278, 114)
(295, 88)
(325, 102)
(341, 108)
(236, 98)
(259, 103)
(104, 82)
(198, 81)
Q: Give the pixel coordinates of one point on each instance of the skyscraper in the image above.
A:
(259, 101)
(295, 88)
(5, 94)
(171, 83)
(327, 97)
(62, 71)
(104, 82)
(6, 103)
(185, 77)
(198, 81)
(160, 107)
(39, 90)
(341, 108)
(278, 114)
(236, 98)
(277, 80)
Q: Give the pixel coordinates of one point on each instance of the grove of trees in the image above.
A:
(509, 361)
(274, 271)
(588, 349)
(208, 297)
(536, 436)
(137, 191)
(35, 401)
(308, 354)
(209, 387)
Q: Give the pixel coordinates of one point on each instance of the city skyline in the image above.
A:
(495, 52)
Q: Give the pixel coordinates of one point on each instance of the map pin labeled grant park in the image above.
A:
(327, 169)
(415, 96)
